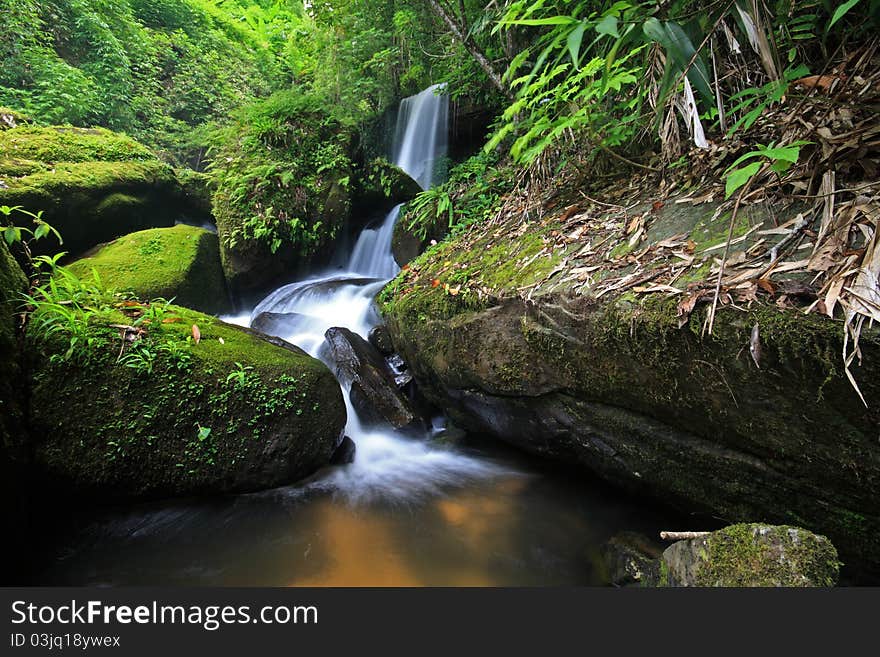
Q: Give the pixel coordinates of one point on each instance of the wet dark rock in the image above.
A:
(373, 391)
(631, 558)
(380, 338)
(344, 454)
(625, 388)
(751, 555)
(274, 323)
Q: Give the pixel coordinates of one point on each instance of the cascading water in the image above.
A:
(386, 463)
(413, 512)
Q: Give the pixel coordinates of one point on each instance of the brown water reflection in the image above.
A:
(532, 525)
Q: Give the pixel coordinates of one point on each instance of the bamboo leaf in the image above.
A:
(739, 177)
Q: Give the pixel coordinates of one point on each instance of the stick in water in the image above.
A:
(681, 536)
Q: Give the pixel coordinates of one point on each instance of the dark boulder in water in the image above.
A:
(374, 393)
(380, 338)
(344, 454)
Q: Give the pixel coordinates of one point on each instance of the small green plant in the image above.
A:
(156, 313)
(750, 103)
(13, 233)
(140, 357)
(239, 376)
(780, 158)
(178, 354)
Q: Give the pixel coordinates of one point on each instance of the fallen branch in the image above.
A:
(681, 536)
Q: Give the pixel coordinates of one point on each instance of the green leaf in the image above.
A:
(840, 12)
(739, 177)
(11, 235)
(41, 231)
(574, 42)
(608, 25)
(553, 20)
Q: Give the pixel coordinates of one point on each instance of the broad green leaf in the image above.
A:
(739, 177)
(608, 25)
(840, 12)
(574, 42)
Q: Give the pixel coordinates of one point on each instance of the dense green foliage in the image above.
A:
(603, 75)
(282, 172)
(152, 68)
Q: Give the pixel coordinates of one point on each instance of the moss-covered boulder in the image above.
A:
(408, 242)
(555, 336)
(149, 411)
(282, 177)
(380, 186)
(751, 555)
(91, 184)
(182, 262)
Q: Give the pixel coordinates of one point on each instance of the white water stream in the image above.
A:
(386, 463)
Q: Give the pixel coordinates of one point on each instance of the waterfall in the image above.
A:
(386, 463)
(421, 133)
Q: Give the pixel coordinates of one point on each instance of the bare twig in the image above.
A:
(681, 536)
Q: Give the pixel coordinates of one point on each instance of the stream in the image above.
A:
(410, 510)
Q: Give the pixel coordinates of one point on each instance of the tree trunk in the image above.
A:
(459, 33)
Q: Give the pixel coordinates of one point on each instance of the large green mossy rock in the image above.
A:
(282, 184)
(502, 328)
(180, 263)
(380, 186)
(234, 412)
(751, 555)
(91, 184)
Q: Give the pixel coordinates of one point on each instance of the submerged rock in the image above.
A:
(751, 555)
(236, 411)
(92, 185)
(372, 388)
(274, 323)
(630, 388)
(182, 262)
(345, 453)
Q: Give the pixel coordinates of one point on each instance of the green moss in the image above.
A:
(182, 262)
(94, 202)
(761, 555)
(282, 178)
(57, 144)
(172, 416)
(17, 167)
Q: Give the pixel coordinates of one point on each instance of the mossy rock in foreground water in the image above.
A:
(182, 263)
(234, 412)
(751, 555)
